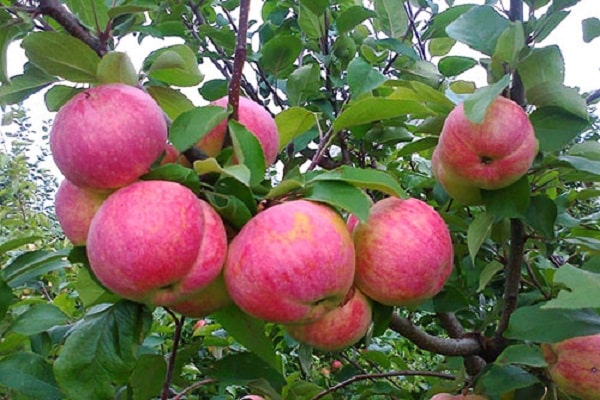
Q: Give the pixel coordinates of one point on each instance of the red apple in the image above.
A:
(339, 328)
(336, 365)
(75, 207)
(255, 118)
(212, 298)
(574, 365)
(447, 396)
(404, 252)
(491, 155)
(108, 136)
(147, 243)
(291, 263)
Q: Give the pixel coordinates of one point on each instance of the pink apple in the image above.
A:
(108, 136)
(404, 252)
(574, 366)
(255, 118)
(336, 365)
(75, 207)
(212, 298)
(339, 328)
(491, 155)
(291, 263)
(457, 187)
(152, 242)
(447, 396)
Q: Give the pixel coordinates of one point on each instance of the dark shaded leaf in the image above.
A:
(30, 375)
(38, 318)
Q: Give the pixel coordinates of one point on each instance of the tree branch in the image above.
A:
(171, 365)
(54, 9)
(473, 364)
(239, 59)
(449, 347)
(194, 386)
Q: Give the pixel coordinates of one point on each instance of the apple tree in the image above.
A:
(310, 199)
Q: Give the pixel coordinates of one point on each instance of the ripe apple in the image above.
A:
(491, 155)
(147, 243)
(212, 298)
(75, 207)
(253, 397)
(574, 365)
(255, 118)
(447, 396)
(339, 328)
(108, 136)
(336, 365)
(291, 263)
(404, 252)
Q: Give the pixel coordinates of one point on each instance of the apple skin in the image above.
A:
(574, 365)
(458, 188)
(212, 298)
(404, 252)
(491, 155)
(447, 396)
(255, 118)
(291, 263)
(75, 207)
(339, 328)
(147, 243)
(108, 136)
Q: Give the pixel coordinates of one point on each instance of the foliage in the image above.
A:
(360, 91)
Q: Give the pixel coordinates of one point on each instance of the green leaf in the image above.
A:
(522, 354)
(555, 127)
(441, 46)
(232, 209)
(90, 291)
(245, 369)
(12, 244)
(541, 215)
(423, 93)
(232, 186)
(292, 123)
(509, 202)
(531, 324)
(478, 28)
(62, 55)
(192, 125)
(382, 316)
(174, 173)
(455, 65)
(488, 273)
(477, 104)
(91, 13)
(283, 188)
(580, 283)
(279, 54)
(542, 65)
(364, 178)
(340, 194)
(6, 298)
(131, 9)
(591, 29)
(172, 101)
(33, 264)
(312, 25)
(29, 374)
(58, 95)
(37, 319)
(477, 233)
(148, 375)
(249, 332)
(437, 26)
(303, 84)
(301, 390)
(508, 47)
(417, 146)
(176, 65)
(374, 109)
(498, 380)
(6, 36)
(248, 151)
(555, 94)
(223, 37)
(582, 164)
(22, 86)
(363, 78)
(214, 89)
(317, 7)
(210, 165)
(99, 353)
(351, 17)
(546, 24)
(117, 67)
(392, 16)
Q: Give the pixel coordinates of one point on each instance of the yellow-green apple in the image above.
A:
(255, 118)
(75, 207)
(108, 136)
(447, 396)
(404, 252)
(341, 327)
(490, 155)
(291, 263)
(153, 242)
(574, 365)
(212, 298)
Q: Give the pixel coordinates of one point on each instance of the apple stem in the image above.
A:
(171, 365)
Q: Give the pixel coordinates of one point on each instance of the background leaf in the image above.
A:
(478, 28)
(30, 375)
(191, 126)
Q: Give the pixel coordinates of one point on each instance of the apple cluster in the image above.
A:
(296, 263)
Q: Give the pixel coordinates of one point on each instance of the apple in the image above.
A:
(447, 396)
(404, 252)
(153, 242)
(291, 263)
(491, 155)
(212, 298)
(253, 397)
(336, 365)
(574, 365)
(75, 207)
(339, 328)
(108, 136)
(255, 118)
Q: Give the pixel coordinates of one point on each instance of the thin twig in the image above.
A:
(195, 386)
(171, 365)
